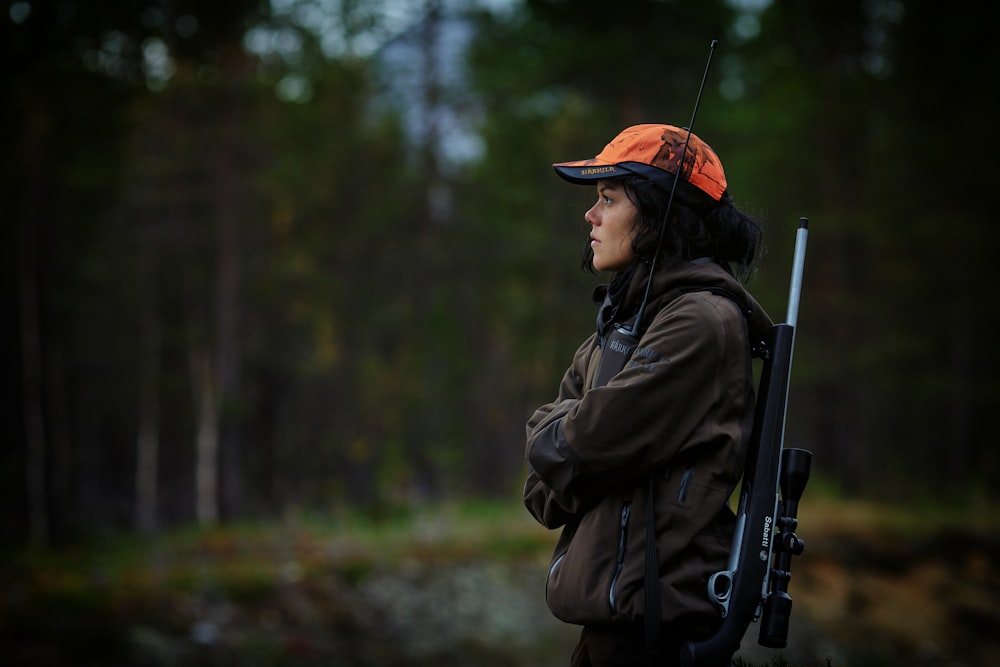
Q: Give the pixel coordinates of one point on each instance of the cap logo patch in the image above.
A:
(596, 170)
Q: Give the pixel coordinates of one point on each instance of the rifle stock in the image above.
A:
(754, 585)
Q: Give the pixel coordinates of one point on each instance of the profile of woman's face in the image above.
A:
(612, 221)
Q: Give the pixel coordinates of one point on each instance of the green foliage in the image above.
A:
(381, 318)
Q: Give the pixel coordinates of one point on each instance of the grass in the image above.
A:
(153, 582)
(282, 584)
(246, 556)
(249, 556)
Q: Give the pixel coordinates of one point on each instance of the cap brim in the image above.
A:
(586, 172)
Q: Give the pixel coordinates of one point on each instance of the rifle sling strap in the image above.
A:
(651, 608)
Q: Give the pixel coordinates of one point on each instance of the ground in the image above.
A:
(462, 586)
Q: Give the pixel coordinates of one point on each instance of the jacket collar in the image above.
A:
(620, 299)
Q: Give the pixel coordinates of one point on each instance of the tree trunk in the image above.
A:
(31, 376)
(148, 437)
(206, 440)
(225, 167)
(29, 317)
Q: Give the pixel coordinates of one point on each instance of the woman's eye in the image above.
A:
(607, 200)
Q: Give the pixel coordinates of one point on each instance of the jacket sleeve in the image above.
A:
(550, 508)
(688, 372)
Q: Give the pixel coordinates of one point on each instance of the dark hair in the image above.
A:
(723, 233)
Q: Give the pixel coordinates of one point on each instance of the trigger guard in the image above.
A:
(720, 587)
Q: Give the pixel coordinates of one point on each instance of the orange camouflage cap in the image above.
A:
(654, 152)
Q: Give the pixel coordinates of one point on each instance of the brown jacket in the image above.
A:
(682, 409)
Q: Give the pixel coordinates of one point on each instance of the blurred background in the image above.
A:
(287, 278)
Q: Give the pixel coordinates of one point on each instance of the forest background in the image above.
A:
(303, 256)
(285, 279)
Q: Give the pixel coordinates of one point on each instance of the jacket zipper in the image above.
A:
(626, 510)
(552, 570)
(682, 492)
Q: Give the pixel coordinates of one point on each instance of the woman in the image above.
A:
(674, 420)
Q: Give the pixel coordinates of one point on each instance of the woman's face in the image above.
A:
(612, 225)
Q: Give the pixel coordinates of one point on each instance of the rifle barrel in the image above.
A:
(798, 266)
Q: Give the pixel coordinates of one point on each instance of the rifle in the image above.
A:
(755, 584)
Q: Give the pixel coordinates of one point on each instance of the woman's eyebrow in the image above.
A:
(604, 186)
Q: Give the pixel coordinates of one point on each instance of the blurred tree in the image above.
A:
(272, 215)
(68, 76)
(51, 180)
(805, 107)
(931, 168)
(315, 255)
(832, 94)
(841, 97)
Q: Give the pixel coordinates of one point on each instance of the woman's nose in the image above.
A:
(591, 215)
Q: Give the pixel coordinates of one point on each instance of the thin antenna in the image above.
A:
(673, 187)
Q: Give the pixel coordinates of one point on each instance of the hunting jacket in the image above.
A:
(682, 410)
